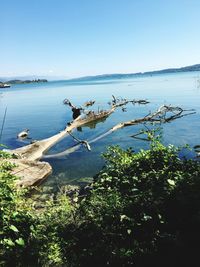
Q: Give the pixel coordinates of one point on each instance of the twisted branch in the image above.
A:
(164, 114)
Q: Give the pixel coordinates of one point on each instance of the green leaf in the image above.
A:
(15, 214)
(8, 242)
(20, 241)
(171, 182)
(123, 217)
(13, 228)
(147, 217)
(129, 231)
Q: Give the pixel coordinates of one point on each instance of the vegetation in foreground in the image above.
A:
(143, 210)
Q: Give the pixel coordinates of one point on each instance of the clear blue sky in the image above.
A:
(88, 37)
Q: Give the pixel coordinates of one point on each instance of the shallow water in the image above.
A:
(39, 107)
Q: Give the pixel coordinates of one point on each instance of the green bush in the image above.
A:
(15, 217)
(143, 210)
(29, 236)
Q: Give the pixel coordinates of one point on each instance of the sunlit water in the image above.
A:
(39, 107)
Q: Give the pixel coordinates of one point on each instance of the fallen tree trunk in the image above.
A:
(159, 116)
(164, 114)
(36, 150)
(32, 172)
(28, 167)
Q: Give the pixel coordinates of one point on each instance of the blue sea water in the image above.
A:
(40, 108)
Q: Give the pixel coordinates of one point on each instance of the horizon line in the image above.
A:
(94, 75)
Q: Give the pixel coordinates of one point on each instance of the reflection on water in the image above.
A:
(40, 108)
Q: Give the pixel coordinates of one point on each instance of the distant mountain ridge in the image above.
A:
(195, 67)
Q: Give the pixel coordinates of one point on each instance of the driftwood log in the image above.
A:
(164, 114)
(36, 150)
(29, 155)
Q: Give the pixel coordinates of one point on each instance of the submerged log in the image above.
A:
(30, 172)
(164, 114)
(36, 150)
(28, 167)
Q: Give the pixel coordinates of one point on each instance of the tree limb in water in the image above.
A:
(83, 142)
(36, 150)
(164, 114)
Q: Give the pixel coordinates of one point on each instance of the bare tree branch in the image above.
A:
(164, 114)
(32, 153)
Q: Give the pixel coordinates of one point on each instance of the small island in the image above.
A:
(8, 83)
(27, 81)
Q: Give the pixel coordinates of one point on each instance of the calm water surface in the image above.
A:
(39, 107)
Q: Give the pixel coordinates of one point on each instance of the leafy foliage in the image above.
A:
(14, 215)
(28, 237)
(143, 210)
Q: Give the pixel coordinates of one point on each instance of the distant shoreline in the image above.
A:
(25, 81)
(19, 80)
(137, 74)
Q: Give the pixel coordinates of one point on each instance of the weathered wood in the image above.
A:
(164, 114)
(36, 150)
(27, 163)
(30, 172)
(89, 103)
